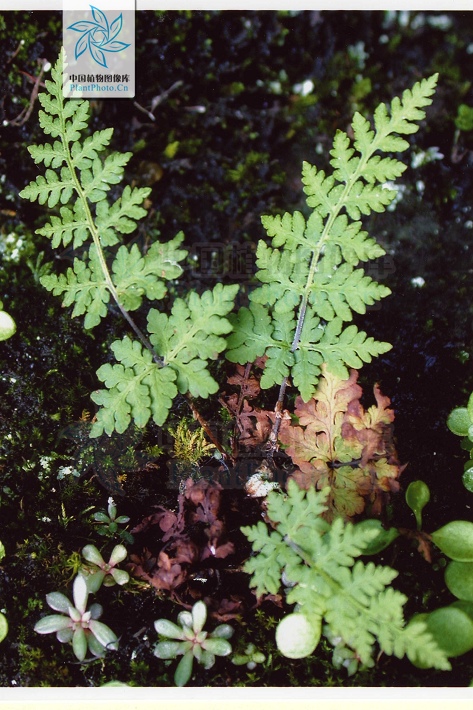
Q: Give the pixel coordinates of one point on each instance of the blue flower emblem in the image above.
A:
(98, 36)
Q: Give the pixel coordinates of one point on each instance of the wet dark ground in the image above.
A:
(238, 71)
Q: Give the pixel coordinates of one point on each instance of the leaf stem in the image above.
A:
(314, 260)
(101, 256)
(159, 361)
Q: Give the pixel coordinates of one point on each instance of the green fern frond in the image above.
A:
(326, 579)
(310, 284)
(149, 373)
(78, 179)
(83, 154)
(139, 388)
(300, 510)
(288, 231)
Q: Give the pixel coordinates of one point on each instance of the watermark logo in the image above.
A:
(99, 48)
(98, 36)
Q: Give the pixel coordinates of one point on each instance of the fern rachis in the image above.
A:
(151, 370)
(310, 284)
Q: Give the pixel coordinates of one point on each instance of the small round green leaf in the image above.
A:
(383, 538)
(2, 551)
(65, 635)
(7, 326)
(459, 579)
(96, 611)
(120, 576)
(122, 519)
(459, 421)
(95, 647)
(467, 477)
(80, 593)
(58, 602)
(207, 660)
(296, 636)
(465, 606)
(184, 618)
(223, 631)
(452, 629)
(3, 626)
(455, 539)
(114, 684)
(470, 406)
(240, 660)
(94, 581)
(417, 497)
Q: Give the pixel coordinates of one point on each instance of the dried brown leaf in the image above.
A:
(249, 385)
(337, 443)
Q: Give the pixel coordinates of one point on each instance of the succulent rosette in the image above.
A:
(77, 624)
(188, 639)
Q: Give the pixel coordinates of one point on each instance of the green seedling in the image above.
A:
(417, 497)
(190, 641)
(109, 522)
(249, 658)
(98, 572)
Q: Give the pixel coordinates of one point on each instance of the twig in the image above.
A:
(157, 100)
(272, 444)
(22, 118)
(205, 426)
(144, 110)
(12, 57)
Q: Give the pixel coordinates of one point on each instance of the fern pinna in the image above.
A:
(310, 283)
(173, 356)
(317, 562)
